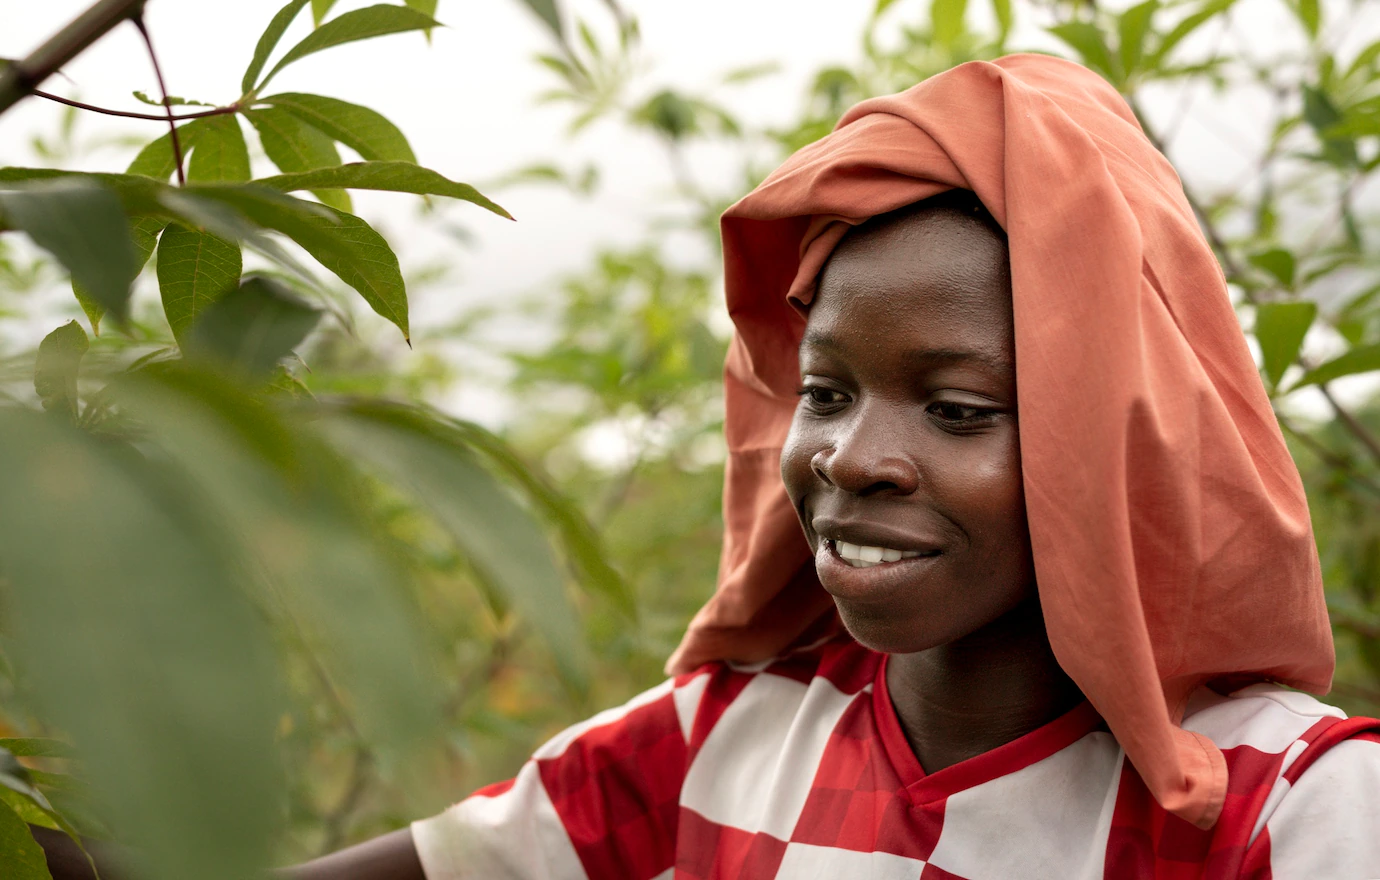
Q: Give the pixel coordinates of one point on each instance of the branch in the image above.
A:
(336, 820)
(1328, 457)
(128, 114)
(21, 78)
(167, 108)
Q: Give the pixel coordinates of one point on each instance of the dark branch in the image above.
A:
(167, 108)
(21, 78)
(129, 114)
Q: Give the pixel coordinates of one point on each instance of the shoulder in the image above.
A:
(1304, 779)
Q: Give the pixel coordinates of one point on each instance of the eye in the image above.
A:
(820, 398)
(960, 415)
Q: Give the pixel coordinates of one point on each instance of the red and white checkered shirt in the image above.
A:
(799, 769)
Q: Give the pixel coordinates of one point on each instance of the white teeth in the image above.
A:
(861, 556)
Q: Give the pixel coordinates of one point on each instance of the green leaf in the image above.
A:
(579, 538)
(341, 242)
(195, 269)
(1091, 45)
(57, 367)
(1002, 10)
(425, 7)
(319, 10)
(499, 538)
(27, 810)
(170, 101)
(163, 673)
(36, 747)
(1362, 359)
(546, 10)
(221, 155)
(359, 128)
(83, 225)
(269, 41)
(1310, 13)
(156, 159)
(357, 24)
(251, 328)
(292, 508)
(144, 234)
(294, 146)
(389, 176)
(1132, 25)
(23, 857)
(1280, 328)
(1323, 117)
(1278, 262)
(361, 258)
(1190, 23)
(946, 20)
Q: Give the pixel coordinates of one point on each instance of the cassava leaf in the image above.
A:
(109, 548)
(1132, 26)
(295, 146)
(57, 369)
(250, 328)
(319, 10)
(390, 176)
(499, 538)
(946, 20)
(1280, 328)
(359, 128)
(36, 747)
(23, 857)
(269, 41)
(357, 24)
(83, 225)
(221, 155)
(1090, 43)
(1361, 359)
(547, 11)
(195, 269)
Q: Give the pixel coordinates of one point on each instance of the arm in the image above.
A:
(389, 857)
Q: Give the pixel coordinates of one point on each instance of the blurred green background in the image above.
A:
(426, 598)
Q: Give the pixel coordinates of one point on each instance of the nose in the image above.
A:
(862, 460)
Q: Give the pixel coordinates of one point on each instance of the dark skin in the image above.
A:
(906, 438)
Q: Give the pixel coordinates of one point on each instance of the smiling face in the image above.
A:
(903, 460)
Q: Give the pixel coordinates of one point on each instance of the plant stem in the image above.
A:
(21, 78)
(127, 114)
(163, 90)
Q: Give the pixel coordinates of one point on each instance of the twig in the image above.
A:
(1353, 424)
(167, 108)
(21, 78)
(336, 820)
(1328, 457)
(218, 111)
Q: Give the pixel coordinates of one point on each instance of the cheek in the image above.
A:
(800, 447)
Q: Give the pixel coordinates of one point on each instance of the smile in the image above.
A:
(864, 556)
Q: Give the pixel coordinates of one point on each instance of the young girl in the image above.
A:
(1017, 563)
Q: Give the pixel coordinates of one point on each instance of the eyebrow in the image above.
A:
(925, 357)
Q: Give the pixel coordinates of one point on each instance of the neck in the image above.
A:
(974, 694)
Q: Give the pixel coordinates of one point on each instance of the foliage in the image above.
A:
(187, 530)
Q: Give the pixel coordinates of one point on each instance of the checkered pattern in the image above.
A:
(799, 769)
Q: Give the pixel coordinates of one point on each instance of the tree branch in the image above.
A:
(167, 108)
(21, 78)
(128, 114)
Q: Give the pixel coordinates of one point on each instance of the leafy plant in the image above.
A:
(181, 533)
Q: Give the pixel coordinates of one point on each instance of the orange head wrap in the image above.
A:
(1170, 530)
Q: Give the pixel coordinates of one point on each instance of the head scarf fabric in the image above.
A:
(1170, 531)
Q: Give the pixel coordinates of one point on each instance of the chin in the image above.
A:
(889, 633)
